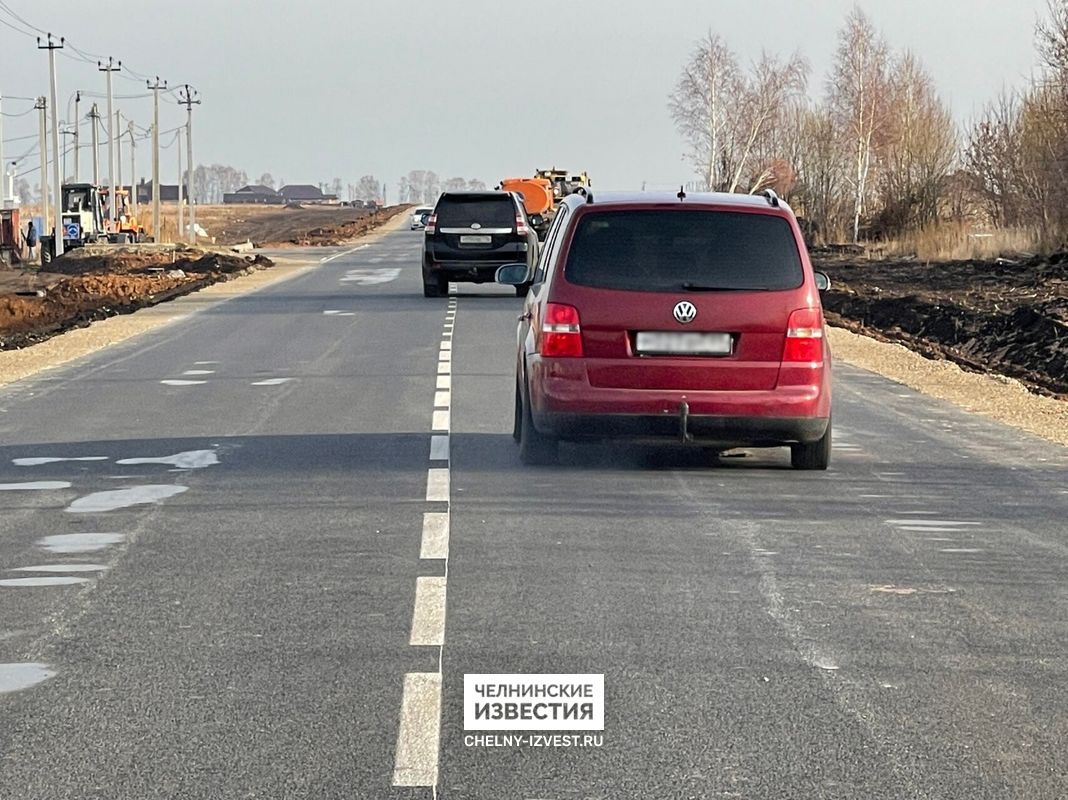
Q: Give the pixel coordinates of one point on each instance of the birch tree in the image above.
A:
(700, 104)
(857, 97)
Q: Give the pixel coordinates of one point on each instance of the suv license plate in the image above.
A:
(671, 343)
(480, 239)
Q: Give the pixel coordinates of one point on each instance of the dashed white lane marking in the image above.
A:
(61, 568)
(441, 419)
(199, 363)
(272, 382)
(33, 486)
(52, 580)
(190, 459)
(36, 462)
(445, 355)
(437, 485)
(444, 367)
(439, 448)
(929, 529)
(328, 259)
(428, 618)
(199, 372)
(179, 382)
(960, 550)
(337, 313)
(70, 543)
(370, 277)
(939, 522)
(435, 542)
(420, 731)
(442, 399)
(99, 502)
(444, 382)
(15, 677)
(446, 345)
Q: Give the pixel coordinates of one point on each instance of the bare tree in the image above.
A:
(857, 95)
(432, 188)
(455, 185)
(759, 112)
(266, 179)
(918, 148)
(476, 185)
(709, 83)
(368, 188)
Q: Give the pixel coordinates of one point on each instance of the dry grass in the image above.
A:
(959, 242)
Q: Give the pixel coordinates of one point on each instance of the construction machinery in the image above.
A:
(543, 192)
(84, 220)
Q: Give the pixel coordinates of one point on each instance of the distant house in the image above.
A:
(254, 194)
(305, 193)
(168, 192)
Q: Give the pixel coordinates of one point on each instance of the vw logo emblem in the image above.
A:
(685, 311)
(475, 226)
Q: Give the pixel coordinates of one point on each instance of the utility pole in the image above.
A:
(77, 138)
(181, 210)
(156, 220)
(189, 98)
(42, 105)
(3, 164)
(118, 155)
(133, 173)
(94, 124)
(57, 179)
(111, 67)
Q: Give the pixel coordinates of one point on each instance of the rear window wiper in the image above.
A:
(701, 287)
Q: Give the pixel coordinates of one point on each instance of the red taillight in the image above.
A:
(521, 225)
(561, 335)
(431, 224)
(804, 337)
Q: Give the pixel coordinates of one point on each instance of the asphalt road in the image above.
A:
(311, 470)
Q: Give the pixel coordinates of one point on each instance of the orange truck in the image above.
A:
(543, 192)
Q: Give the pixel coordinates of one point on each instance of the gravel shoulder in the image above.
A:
(1002, 399)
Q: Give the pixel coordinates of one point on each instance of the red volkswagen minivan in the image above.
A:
(657, 316)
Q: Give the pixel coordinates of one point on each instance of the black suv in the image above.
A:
(471, 234)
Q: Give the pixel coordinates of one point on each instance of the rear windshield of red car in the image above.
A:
(489, 212)
(680, 250)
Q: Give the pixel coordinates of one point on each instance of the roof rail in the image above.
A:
(772, 198)
(583, 191)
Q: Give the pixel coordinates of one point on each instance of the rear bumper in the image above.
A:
(701, 429)
(564, 404)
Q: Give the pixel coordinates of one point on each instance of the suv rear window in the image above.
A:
(490, 212)
(665, 251)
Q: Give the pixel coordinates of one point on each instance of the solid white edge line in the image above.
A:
(437, 484)
(439, 448)
(435, 543)
(428, 617)
(419, 737)
(328, 259)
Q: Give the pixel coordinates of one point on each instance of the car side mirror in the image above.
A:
(823, 283)
(536, 220)
(512, 274)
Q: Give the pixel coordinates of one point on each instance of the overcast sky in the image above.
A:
(315, 89)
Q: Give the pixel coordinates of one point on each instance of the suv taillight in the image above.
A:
(561, 335)
(431, 224)
(804, 337)
(521, 225)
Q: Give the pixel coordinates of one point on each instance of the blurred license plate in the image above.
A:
(480, 239)
(671, 343)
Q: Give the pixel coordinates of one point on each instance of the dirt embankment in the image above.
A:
(1008, 316)
(78, 291)
(285, 226)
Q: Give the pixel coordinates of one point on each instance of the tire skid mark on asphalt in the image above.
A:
(419, 734)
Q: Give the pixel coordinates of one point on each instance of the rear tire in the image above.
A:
(435, 285)
(535, 449)
(815, 455)
(517, 417)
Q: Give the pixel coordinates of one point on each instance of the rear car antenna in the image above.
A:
(682, 193)
(582, 191)
(772, 198)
